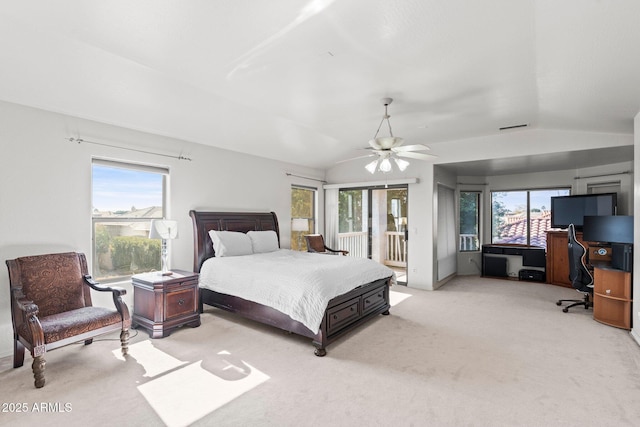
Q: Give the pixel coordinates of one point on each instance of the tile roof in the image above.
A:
(514, 231)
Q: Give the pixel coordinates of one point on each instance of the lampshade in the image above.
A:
(163, 229)
(402, 164)
(385, 166)
(300, 224)
(371, 167)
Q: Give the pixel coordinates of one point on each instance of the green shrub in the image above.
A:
(135, 253)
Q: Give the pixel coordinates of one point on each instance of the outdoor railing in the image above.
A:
(469, 242)
(355, 243)
(395, 250)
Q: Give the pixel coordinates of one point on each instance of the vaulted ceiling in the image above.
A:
(301, 81)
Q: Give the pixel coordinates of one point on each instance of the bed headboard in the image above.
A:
(229, 221)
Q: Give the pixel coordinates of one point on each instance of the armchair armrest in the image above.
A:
(26, 324)
(117, 293)
(339, 251)
(28, 307)
(116, 290)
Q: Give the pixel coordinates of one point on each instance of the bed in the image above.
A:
(343, 313)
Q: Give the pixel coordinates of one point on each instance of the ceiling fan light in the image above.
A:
(387, 142)
(371, 167)
(402, 164)
(385, 166)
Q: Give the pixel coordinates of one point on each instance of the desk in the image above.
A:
(612, 297)
(507, 261)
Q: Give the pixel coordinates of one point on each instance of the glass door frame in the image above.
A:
(370, 201)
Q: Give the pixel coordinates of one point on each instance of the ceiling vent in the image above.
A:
(514, 126)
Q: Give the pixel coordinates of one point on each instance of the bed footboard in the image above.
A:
(343, 314)
(349, 311)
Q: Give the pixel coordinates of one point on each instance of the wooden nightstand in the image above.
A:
(163, 303)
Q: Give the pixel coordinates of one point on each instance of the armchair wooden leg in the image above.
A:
(18, 353)
(124, 340)
(38, 370)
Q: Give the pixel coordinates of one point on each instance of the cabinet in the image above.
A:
(558, 256)
(163, 303)
(612, 297)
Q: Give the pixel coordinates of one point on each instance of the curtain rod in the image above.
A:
(604, 174)
(365, 184)
(80, 140)
(305, 177)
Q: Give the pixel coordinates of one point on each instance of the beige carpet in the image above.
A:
(477, 352)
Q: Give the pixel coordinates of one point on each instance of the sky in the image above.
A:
(116, 189)
(539, 198)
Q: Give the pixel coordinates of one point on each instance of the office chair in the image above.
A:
(579, 275)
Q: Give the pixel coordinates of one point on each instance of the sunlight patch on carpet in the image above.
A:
(153, 361)
(188, 394)
(183, 392)
(396, 298)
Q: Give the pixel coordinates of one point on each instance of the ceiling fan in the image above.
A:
(390, 147)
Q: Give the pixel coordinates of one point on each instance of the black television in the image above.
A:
(567, 210)
(608, 229)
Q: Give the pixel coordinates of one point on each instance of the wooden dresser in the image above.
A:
(558, 256)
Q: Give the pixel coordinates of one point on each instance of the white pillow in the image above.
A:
(230, 243)
(263, 241)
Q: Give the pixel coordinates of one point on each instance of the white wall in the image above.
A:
(635, 306)
(45, 187)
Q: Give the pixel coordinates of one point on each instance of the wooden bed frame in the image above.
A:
(343, 314)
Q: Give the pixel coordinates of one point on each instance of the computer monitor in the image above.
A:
(567, 210)
(608, 229)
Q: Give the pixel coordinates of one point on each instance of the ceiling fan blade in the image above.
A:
(413, 155)
(416, 147)
(355, 158)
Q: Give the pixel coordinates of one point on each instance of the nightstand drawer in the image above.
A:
(179, 303)
(183, 284)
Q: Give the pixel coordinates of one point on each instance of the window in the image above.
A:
(469, 221)
(125, 198)
(352, 211)
(303, 215)
(522, 217)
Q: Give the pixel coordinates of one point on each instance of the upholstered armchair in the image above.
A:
(315, 243)
(51, 307)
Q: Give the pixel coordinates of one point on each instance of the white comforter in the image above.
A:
(299, 284)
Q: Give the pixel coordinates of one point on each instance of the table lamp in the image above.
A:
(164, 229)
(300, 225)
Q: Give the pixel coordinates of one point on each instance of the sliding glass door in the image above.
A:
(372, 223)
